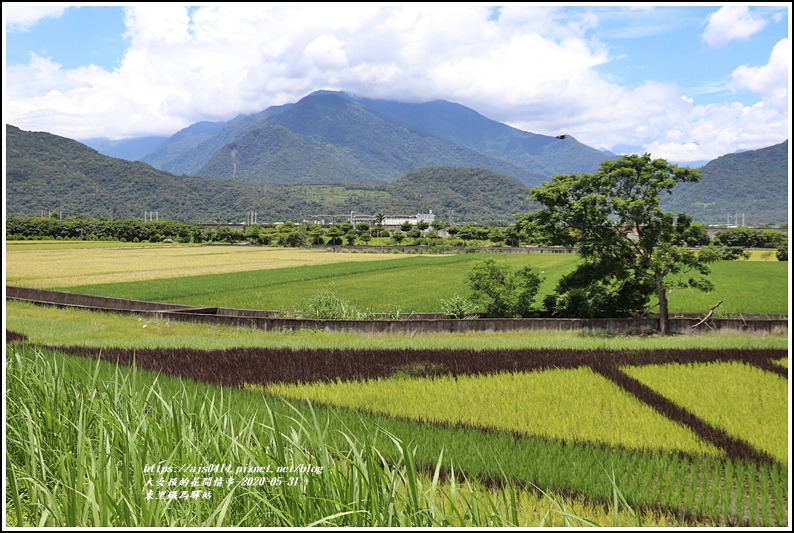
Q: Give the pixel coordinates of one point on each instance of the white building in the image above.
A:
(399, 220)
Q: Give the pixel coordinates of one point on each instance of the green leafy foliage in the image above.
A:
(598, 288)
(292, 238)
(457, 307)
(723, 253)
(745, 237)
(501, 291)
(782, 252)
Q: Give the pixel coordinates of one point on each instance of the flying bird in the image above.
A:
(561, 136)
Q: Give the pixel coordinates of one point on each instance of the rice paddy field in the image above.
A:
(117, 420)
(283, 279)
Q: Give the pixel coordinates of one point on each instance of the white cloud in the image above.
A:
(770, 81)
(326, 51)
(531, 69)
(729, 23)
(22, 17)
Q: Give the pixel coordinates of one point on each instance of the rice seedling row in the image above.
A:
(739, 398)
(241, 366)
(572, 404)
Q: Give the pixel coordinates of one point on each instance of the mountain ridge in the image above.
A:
(750, 183)
(48, 173)
(377, 140)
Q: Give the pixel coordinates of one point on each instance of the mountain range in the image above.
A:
(46, 173)
(331, 153)
(335, 138)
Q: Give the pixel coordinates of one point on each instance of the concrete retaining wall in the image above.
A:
(86, 300)
(422, 323)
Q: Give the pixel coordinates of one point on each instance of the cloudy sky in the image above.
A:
(686, 83)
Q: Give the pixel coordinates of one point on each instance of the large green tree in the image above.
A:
(615, 218)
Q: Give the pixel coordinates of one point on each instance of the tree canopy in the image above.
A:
(630, 247)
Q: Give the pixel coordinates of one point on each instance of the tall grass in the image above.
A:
(78, 446)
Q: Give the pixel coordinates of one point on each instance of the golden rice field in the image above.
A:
(55, 264)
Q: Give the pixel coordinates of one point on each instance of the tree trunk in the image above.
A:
(664, 318)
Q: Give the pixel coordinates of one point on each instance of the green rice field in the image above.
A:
(89, 426)
(420, 283)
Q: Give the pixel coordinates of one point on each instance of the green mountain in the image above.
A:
(275, 154)
(753, 185)
(456, 191)
(454, 123)
(47, 173)
(352, 140)
(191, 148)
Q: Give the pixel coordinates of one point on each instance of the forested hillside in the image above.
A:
(753, 184)
(48, 173)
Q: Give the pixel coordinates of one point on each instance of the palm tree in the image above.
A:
(379, 218)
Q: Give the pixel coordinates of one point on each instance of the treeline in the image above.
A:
(282, 234)
(745, 237)
(732, 241)
(103, 229)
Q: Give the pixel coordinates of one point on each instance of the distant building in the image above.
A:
(399, 220)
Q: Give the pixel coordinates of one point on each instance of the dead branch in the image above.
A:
(708, 315)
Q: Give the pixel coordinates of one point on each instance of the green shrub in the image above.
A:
(327, 305)
(457, 307)
(782, 252)
(502, 292)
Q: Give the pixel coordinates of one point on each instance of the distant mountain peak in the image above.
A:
(355, 139)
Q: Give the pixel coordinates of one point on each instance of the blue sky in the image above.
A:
(80, 36)
(684, 82)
